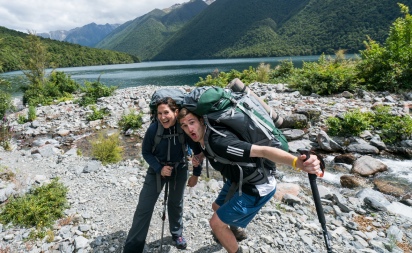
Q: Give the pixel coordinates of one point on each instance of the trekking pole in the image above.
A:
(164, 213)
(318, 203)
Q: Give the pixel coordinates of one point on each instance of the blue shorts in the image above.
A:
(239, 210)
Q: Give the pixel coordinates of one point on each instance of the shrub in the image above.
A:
(262, 73)
(39, 208)
(388, 67)
(282, 72)
(352, 123)
(21, 119)
(6, 133)
(325, 77)
(93, 91)
(130, 120)
(63, 83)
(31, 114)
(96, 114)
(5, 103)
(392, 127)
(107, 149)
(58, 86)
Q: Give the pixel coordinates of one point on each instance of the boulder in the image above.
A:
(352, 181)
(286, 188)
(345, 158)
(367, 166)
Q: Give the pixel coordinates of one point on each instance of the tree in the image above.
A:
(35, 60)
(389, 67)
(5, 97)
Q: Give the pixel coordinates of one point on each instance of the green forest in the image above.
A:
(268, 28)
(13, 50)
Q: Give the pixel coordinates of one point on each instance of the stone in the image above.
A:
(367, 166)
(283, 188)
(347, 158)
(352, 181)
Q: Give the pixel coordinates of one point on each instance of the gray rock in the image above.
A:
(366, 166)
(375, 204)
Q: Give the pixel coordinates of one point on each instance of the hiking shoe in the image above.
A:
(180, 242)
(239, 233)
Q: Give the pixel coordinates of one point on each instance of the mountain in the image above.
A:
(13, 48)
(146, 35)
(59, 35)
(261, 28)
(88, 35)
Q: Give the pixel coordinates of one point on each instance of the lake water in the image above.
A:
(163, 73)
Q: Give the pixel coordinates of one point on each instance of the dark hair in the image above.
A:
(184, 112)
(169, 102)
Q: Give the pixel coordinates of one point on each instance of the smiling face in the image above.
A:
(166, 116)
(192, 126)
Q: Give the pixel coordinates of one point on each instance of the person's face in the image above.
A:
(194, 128)
(166, 116)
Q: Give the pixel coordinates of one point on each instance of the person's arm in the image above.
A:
(312, 165)
(197, 159)
(148, 142)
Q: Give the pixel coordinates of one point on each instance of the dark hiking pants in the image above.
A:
(147, 199)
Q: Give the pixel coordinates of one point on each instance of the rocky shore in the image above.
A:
(364, 212)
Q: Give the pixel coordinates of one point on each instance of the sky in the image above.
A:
(50, 15)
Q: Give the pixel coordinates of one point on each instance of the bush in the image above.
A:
(107, 149)
(282, 72)
(31, 114)
(325, 77)
(58, 86)
(388, 67)
(6, 133)
(93, 91)
(5, 103)
(63, 83)
(96, 114)
(39, 208)
(130, 120)
(392, 128)
(352, 123)
(21, 119)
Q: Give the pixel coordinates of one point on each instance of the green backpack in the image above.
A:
(243, 114)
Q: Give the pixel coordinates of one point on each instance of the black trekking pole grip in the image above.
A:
(318, 203)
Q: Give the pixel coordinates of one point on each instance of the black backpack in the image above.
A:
(243, 114)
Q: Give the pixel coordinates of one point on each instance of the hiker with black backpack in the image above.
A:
(238, 202)
(167, 166)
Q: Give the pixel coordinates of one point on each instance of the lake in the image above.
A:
(164, 73)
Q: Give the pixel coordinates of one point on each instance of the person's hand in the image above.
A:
(192, 181)
(166, 171)
(197, 160)
(311, 166)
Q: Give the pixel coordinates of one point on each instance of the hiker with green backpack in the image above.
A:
(164, 148)
(246, 162)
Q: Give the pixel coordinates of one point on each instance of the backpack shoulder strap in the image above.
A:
(213, 155)
(182, 140)
(158, 136)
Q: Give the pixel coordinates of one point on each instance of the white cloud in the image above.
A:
(51, 15)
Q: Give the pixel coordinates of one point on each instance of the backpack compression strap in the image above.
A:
(159, 136)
